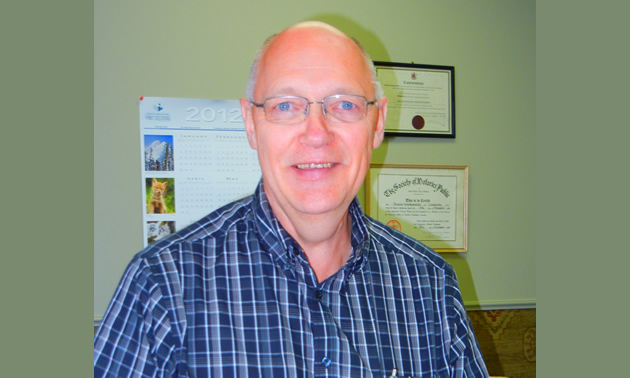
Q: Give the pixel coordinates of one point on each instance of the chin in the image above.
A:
(316, 203)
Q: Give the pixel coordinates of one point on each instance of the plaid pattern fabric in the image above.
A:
(233, 295)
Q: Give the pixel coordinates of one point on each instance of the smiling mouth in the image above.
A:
(314, 166)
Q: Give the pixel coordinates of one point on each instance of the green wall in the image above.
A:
(203, 49)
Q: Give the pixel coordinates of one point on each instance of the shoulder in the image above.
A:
(390, 241)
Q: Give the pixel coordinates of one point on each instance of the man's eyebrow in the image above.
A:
(292, 91)
(283, 91)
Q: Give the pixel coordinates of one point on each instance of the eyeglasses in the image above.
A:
(294, 109)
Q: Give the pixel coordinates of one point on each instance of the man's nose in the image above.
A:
(317, 132)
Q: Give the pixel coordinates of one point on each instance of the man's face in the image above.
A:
(316, 166)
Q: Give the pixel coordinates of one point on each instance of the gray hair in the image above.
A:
(255, 69)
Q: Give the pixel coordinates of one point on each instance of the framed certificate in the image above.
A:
(421, 99)
(426, 202)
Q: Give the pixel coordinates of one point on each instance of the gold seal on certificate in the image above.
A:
(420, 99)
(395, 224)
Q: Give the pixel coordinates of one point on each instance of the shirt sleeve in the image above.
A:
(133, 338)
(465, 356)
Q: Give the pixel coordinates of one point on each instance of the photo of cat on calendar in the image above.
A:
(159, 230)
(160, 196)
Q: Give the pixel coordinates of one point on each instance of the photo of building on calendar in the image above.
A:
(158, 153)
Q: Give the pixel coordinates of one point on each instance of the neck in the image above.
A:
(325, 239)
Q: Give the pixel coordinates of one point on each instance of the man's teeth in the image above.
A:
(314, 166)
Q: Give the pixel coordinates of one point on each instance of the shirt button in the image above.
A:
(318, 294)
(326, 362)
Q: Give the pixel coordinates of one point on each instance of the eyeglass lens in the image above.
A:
(292, 109)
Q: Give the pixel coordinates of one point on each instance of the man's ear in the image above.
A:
(379, 132)
(250, 129)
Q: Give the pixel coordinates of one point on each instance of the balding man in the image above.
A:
(295, 280)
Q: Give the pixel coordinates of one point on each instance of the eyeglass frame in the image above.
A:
(308, 106)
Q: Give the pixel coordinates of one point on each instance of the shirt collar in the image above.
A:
(284, 249)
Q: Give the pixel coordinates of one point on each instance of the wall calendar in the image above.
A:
(195, 158)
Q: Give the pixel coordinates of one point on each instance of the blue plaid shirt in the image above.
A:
(233, 295)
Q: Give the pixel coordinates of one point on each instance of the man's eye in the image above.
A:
(347, 105)
(284, 106)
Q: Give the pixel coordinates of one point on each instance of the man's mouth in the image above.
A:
(314, 165)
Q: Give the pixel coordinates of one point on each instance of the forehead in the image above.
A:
(313, 61)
